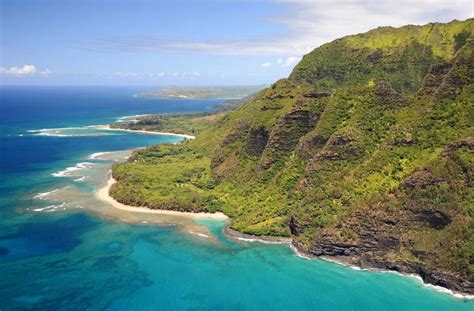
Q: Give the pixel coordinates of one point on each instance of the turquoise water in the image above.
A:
(65, 250)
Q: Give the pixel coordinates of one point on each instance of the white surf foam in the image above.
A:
(97, 155)
(132, 118)
(66, 131)
(256, 240)
(50, 208)
(415, 276)
(44, 195)
(67, 172)
(199, 234)
(298, 253)
(441, 289)
(54, 129)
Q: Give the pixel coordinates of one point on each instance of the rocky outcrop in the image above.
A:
(378, 239)
(434, 78)
(467, 143)
(342, 145)
(391, 233)
(422, 178)
(316, 94)
(286, 134)
(388, 96)
(309, 143)
(431, 217)
(257, 140)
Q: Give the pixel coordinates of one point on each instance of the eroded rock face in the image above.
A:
(387, 95)
(345, 144)
(393, 232)
(239, 132)
(308, 143)
(316, 94)
(432, 218)
(434, 78)
(467, 143)
(286, 134)
(377, 236)
(258, 139)
(422, 178)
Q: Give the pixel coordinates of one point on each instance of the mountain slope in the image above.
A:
(365, 151)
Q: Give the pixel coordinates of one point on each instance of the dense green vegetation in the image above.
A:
(224, 92)
(366, 150)
(190, 124)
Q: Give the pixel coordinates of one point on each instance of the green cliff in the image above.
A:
(365, 151)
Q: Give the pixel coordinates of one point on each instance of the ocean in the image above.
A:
(62, 249)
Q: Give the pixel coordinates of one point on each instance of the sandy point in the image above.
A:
(108, 128)
(103, 195)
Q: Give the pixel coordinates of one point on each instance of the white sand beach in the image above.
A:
(103, 195)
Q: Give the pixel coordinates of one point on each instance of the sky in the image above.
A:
(186, 43)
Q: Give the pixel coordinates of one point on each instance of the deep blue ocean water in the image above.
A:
(60, 251)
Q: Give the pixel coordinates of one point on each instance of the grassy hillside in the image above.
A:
(365, 151)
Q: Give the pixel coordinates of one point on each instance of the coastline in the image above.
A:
(103, 195)
(349, 263)
(340, 260)
(236, 235)
(108, 128)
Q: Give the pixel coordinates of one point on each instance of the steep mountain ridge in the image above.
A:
(365, 151)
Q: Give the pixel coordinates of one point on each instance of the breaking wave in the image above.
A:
(91, 130)
(68, 172)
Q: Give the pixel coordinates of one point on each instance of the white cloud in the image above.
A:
(25, 70)
(267, 64)
(309, 24)
(155, 75)
(19, 71)
(137, 75)
(290, 61)
(125, 74)
(46, 72)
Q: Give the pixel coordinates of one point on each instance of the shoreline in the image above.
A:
(340, 260)
(108, 128)
(347, 262)
(236, 235)
(103, 195)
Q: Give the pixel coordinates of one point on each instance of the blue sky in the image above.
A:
(185, 42)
